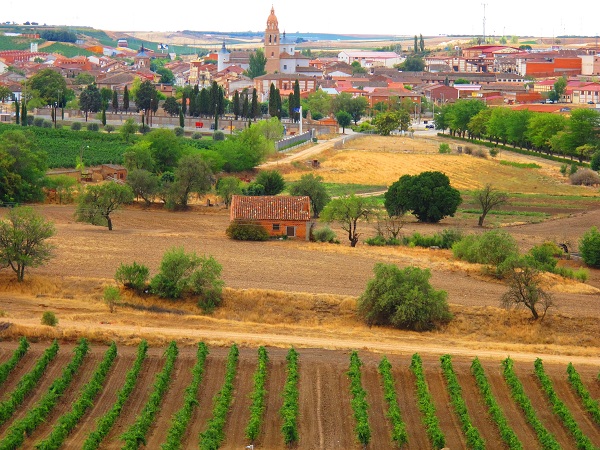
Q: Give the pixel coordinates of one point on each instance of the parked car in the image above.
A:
(430, 125)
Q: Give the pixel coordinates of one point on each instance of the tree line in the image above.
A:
(575, 136)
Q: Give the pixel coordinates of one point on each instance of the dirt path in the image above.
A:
(310, 152)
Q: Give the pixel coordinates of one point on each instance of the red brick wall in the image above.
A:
(301, 228)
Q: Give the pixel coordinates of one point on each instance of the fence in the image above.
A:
(293, 141)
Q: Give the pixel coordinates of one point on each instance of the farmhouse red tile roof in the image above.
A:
(270, 207)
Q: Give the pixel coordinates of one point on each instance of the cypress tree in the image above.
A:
(23, 113)
(296, 116)
(254, 109)
(17, 113)
(278, 103)
(272, 101)
(236, 105)
(416, 45)
(115, 101)
(184, 103)
(103, 116)
(126, 99)
(181, 119)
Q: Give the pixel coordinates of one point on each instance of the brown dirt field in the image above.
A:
(24, 366)
(180, 379)
(542, 407)
(572, 401)
(326, 420)
(210, 385)
(270, 436)
(407, 400)
(138, 398)
(235, 429)
(106, 399)
(513, 413)
(53, 371)
(84, 374)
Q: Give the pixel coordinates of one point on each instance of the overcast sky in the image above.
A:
(432, 17)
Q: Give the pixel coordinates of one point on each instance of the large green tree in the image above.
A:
(171, 106)
(166, 148)
(386, 122)
(348, 212)
(543, 127)
(23, 236)
(428, 195)
(98, 202)
(192, 176)
(90, 100)
(272, 181)
(312, 186)
(22, 168)
(48, 84)
(144, 96)
(344, 119)
(257, 64)
(318, 103)
(413, 63)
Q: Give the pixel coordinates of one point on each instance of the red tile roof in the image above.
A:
(270, 207)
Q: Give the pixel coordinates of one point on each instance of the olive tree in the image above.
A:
(489, 198)
(98, 202)
(524, 289)
(348, 211)
(23, 236)
(312, 186)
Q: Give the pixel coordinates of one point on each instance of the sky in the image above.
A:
(431, 17)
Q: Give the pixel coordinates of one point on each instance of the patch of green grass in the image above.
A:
(506, 213)
(337, 189)
(520, 165)
(67, 50)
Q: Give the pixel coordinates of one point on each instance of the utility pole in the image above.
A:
(484, 5)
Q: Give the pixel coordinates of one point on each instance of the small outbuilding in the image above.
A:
(280, 215)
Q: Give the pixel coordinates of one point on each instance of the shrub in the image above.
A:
(196, 135)
(573, 169)
(179, 131)
(38, 122)
(403, 298)
(247, 231)
(589, 247)
(185, 273)
(543, 256)
(47, 124)
(492, 247)
(93, 126)
(563, 169)
(324, 234)
(378, 240)
(595, 161)
(585, 177)
(76, 126)
(218, 136)
(468, 150)
(49, 318)
(143, 129)
(480, 153)
(134, 276)
(112, 296)
(494, 152)
(444, 148)
(109, 128)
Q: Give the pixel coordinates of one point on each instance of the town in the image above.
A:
(298, 240)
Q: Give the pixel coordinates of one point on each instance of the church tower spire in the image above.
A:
(272, 41)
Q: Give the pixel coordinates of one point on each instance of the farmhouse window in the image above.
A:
(275, 227)
(291, 231)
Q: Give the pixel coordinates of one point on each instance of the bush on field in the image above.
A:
(143, 129)
(403, 298)
(492, 247)
(134, 276)
(179, 131)
(196, 135)
(589, 247)
(585, 177)
(324, 234)
(47, 124)
(218, 136)
(186, 273)
(76, 126)
(247, 231)
(480, 153)
(595, 161)
(49, 318)
(444, 148)
(112, 296)
(38, 122)
(109, 128)
(93, 126)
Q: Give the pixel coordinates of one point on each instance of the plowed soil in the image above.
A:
(326, 420)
